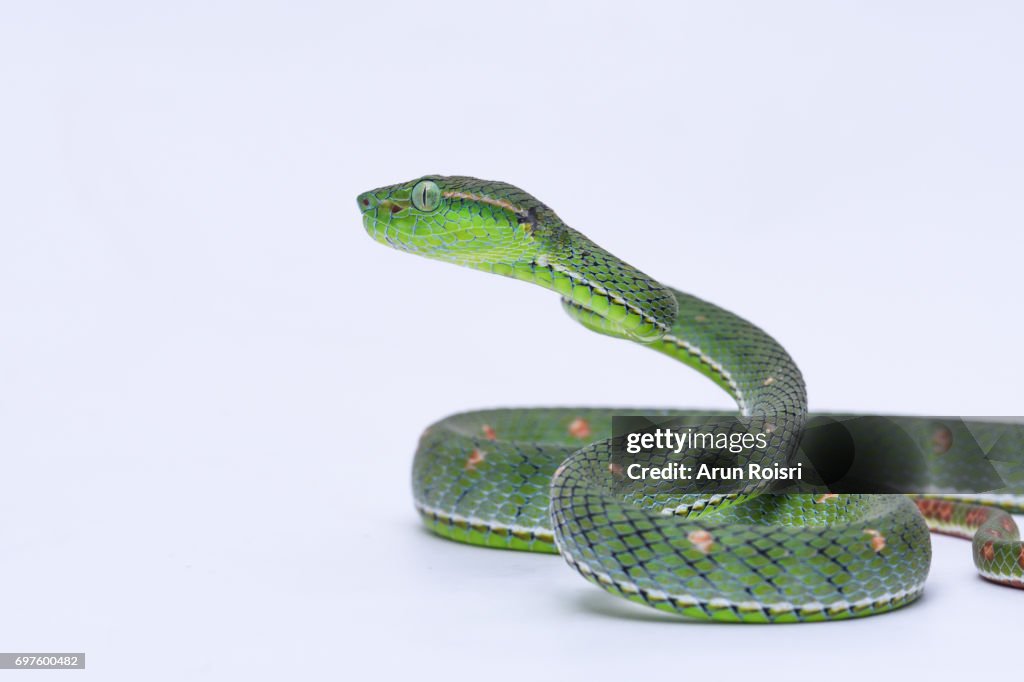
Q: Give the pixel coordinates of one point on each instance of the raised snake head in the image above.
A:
(499, 228)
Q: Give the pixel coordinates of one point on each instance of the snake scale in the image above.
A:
(543, 479)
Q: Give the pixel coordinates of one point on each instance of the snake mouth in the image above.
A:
(387, 233)
(369, 206)
(378, 221)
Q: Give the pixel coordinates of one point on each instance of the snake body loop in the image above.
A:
(544, 479)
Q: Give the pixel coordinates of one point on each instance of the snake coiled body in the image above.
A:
(545, 479)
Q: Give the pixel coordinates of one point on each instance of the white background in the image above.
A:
(212, 381)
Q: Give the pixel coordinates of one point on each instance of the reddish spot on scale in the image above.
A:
(1008, 525)
(1020, 558)
(942, 440)
(489, 433)
(395, 208)
(988, 551)
(615, 469)
(877, 539)
(475, 458)
(702, 540)
(579, 428)
(936, 509)
(976, 516)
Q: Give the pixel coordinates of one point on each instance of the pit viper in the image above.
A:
(544, 480)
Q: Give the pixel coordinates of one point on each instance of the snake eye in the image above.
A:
(426, 195)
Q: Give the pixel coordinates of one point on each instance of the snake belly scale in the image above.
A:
(543, 479)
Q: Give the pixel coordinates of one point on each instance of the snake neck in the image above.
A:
(745, 361)
(614, 293)
(611, 297)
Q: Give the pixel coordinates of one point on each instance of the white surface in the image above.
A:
(211, 380)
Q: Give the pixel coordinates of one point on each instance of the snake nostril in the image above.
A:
(366, 201)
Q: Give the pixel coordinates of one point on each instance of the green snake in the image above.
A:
(542, 480)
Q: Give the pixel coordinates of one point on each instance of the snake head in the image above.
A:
(456, 219)
(499, 228)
